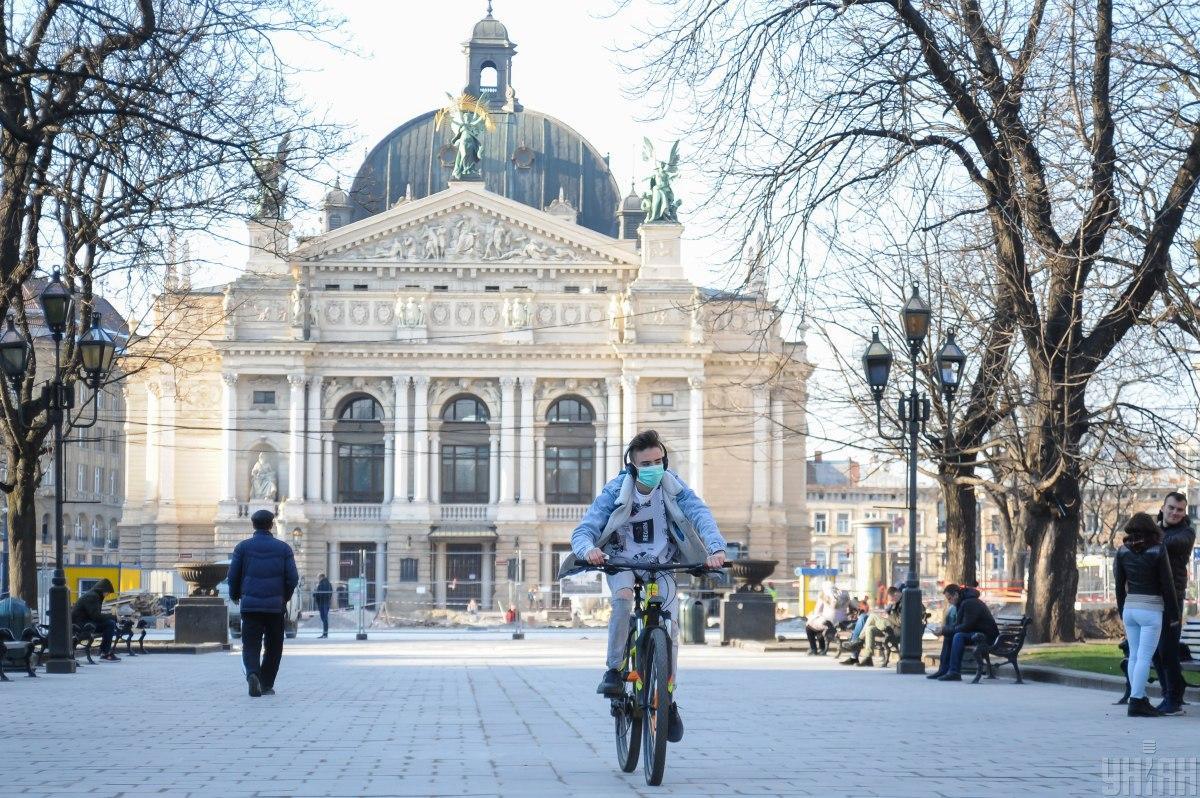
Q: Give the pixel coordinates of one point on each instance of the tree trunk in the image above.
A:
(1053, 570)
(962, 534)
(22, 530)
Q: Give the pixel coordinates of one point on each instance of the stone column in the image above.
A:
(327, 470)
(601, 466)
(400, 447)
(312, 446)
(493, 468)
(435, 466)
(296, 437)
(777, 451)
(389, 466)
(612, 414)
(152, 451)
(507, 439)
(228, 437)
(761, 446)
(166, 440)
(629, 403)
(696, 434)
(528, 494)
(421, 438)
(439, 575)
(540, 475)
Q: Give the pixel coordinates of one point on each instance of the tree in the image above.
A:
(1070, 134)
(122, 128)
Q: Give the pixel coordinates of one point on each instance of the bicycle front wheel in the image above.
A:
(656, 706)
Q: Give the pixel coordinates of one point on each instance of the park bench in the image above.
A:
(14, 650)
(1189, 637)
(889, 642)
(1006, 646)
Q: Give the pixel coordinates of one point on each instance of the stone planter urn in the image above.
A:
(202, 616)
(202, 578)
(751, 574)
(748, 613)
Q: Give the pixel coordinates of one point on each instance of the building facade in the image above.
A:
(438, 384)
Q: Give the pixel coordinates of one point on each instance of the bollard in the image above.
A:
(695, 624)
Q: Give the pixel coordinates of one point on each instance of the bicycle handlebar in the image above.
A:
(616, 566)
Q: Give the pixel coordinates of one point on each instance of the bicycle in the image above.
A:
(642, 712)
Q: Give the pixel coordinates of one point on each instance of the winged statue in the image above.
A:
(468, 120)
(659, 202)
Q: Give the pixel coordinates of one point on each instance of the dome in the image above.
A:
(336, 196)
(632, 202)
(530, 157)
(489, 29)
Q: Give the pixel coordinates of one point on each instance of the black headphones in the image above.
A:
(632, 469)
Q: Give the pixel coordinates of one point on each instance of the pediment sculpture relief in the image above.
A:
(467, 236)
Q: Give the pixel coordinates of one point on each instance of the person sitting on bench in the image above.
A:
(90, 609)
(972, 617)
(877, 623)
(830, 611)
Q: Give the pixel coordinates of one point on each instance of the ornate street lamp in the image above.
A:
(97, 350)
(913, 413)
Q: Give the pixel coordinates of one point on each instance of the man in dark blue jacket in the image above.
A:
(262, 576)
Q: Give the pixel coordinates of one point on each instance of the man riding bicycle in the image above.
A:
(647, 514)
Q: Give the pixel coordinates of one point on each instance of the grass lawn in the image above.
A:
(1094, 657)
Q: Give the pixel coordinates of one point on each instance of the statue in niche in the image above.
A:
(614, 312)
(263, 485)
(468, 120)
(659, 201)
(414, 313)
(299, 299)
(227, 299)
(518, 316)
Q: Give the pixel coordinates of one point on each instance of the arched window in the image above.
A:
(467, 409)
(465, 451)
(570, 451)
(489, 77)
(96, 539)
(359, 440)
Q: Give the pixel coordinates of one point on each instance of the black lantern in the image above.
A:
(96, 349)
(14, 352)
(877, 364)
(949, 366)
(56, 303)
(915, 316)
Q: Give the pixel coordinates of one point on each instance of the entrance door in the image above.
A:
(350, 558)
(464, 574)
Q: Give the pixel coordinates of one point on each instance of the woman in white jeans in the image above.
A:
(1146, 602)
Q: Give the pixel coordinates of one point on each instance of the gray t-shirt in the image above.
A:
(645, 536)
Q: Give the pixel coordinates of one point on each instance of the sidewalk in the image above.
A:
(423, 715)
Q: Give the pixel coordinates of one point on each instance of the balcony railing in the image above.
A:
(464, 512)
(565, 512)
(357, 512)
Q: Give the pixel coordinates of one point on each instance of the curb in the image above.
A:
(1072, 678)
(184, 648)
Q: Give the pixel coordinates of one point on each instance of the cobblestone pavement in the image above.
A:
(424, 715)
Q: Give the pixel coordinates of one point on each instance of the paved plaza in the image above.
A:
(482, 715)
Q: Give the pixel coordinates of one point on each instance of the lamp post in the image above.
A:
(913, 413)
(96, 352)
(298, 550)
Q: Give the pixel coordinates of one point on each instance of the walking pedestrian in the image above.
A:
(322, 598)
(1178, 539)
(262, 576)
(1146, 602)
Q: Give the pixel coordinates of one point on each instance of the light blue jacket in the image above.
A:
(692, 527)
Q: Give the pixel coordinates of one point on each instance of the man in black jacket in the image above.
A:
(972, 618)
(322, 598)
(90, 609)
(1178, 540)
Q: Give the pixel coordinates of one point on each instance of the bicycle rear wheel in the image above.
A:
(656, 706)
(628, 726)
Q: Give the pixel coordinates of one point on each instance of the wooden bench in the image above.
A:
(1190, 637)
(1007, 646)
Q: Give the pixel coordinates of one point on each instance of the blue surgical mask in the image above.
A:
(650, 476)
